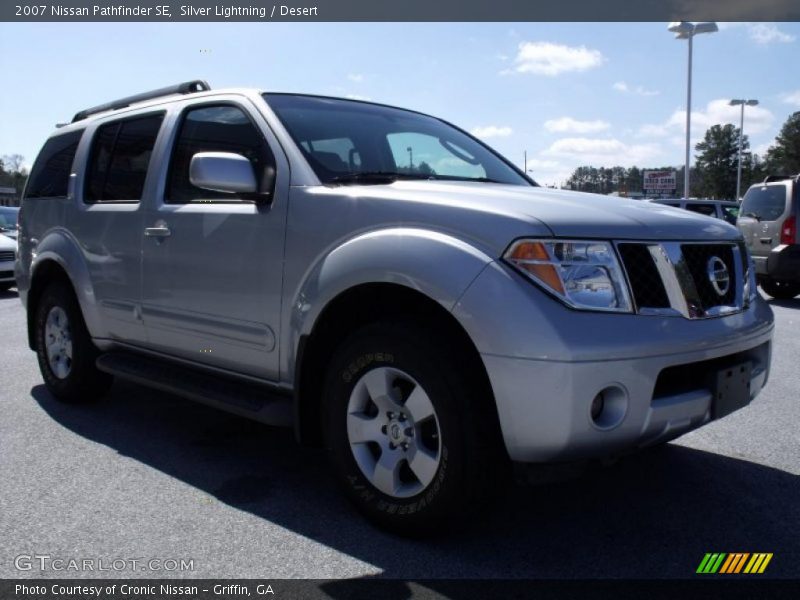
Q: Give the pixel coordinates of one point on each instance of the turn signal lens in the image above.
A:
(532, 257)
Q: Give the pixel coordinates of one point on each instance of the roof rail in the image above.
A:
(187, 87)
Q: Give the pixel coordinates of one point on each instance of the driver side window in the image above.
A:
(221, 128)
(421, 154)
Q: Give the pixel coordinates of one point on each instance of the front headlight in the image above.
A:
(583, 274)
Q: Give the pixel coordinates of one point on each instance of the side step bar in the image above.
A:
(251, 400)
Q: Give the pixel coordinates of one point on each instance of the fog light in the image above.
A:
(609, 407)
(598, 404)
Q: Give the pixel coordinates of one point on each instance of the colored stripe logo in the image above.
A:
(734, 562)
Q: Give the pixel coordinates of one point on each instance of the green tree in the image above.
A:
(784, 156)
(717, 160)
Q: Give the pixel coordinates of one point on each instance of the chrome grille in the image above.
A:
(6, 255)
(696, 280)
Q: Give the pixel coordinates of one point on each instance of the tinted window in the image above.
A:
(50, 174)
(384, 140)
(119, 159)
(765, 203)
(730, 213)
(216, 129)
(703, 209)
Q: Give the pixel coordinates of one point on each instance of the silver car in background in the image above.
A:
(383, 282)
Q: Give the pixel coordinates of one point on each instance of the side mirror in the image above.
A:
(222, 172)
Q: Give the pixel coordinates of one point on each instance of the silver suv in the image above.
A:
(385, 283)
(768, 222)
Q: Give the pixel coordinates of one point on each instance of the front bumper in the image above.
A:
(6, 271)
(547, 363)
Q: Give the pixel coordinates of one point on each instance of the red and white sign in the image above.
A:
(659, 181)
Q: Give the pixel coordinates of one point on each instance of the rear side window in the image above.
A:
(215, 129)
(50, 174)
(119, 159)
(765, 203)
(703, 209)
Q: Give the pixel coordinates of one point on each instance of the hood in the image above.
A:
(6, 243)
(565, 213)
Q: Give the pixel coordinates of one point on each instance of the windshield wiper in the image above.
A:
(377, 177)
(392, 176)
(752, 216)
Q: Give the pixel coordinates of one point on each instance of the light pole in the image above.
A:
(684, 30)
(741, 103)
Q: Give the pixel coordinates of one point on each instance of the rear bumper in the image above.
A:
(782, 263)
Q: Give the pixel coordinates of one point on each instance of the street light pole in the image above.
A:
(684, 30)
(741, 103)
(688, 122)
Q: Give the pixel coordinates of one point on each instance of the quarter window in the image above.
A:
(216, 129)
(50, 174)
(119, 159)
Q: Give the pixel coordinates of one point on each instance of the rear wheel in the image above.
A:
(780, 290)
(65, 350)
(411, 436)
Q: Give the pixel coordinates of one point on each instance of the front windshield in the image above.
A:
(346, 141)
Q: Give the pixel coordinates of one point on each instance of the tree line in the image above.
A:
(714, 172)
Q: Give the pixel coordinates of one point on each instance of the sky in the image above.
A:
(568, 94)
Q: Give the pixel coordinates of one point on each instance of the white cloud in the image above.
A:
(538, 163)
(760, 33)
(761, 149)
(570, 125)
(489, 131)
(606, 151)
(717, 112)
(639, 90)
(358, 97)
(792, 98)
(546, 58)
(356, 77)
(767, 33)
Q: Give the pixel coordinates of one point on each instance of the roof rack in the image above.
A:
(780, 178)
(187, 87)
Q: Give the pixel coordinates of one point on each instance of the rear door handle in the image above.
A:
(159, 231)
(765, 240)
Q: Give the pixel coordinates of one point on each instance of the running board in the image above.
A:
(251, 400)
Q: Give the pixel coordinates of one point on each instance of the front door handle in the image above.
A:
(159, 231)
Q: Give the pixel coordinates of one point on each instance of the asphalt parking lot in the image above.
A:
(148, 475)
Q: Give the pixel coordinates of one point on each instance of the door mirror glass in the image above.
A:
(222, 172)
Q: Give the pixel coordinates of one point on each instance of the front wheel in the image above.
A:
(65, 350)
(410, 430)
(780, 290)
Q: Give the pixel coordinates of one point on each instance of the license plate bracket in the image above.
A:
(731, 389)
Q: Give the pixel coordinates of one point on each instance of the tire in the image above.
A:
(780, 290)
(68, 367)
(446, 465)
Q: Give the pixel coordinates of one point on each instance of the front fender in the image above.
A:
(438, 265)
(60, 247)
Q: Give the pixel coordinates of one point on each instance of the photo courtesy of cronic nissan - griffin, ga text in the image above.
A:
(383, 282)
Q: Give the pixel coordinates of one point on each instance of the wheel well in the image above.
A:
(46, 273)
(353, 309)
